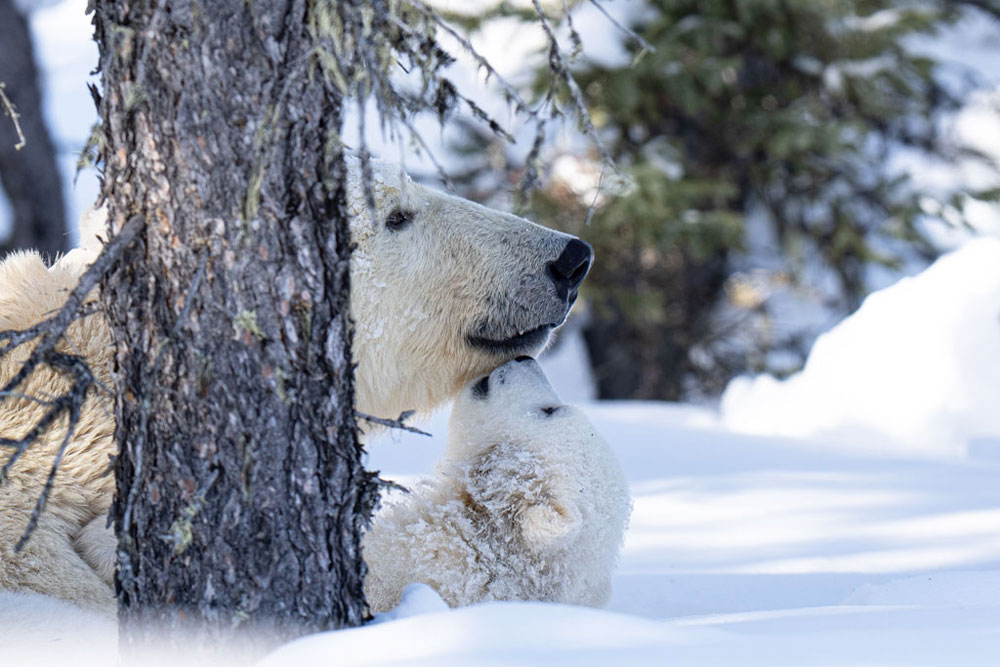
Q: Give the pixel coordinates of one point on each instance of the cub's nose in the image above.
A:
(571, 267)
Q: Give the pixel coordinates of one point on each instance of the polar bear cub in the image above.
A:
(528, 503)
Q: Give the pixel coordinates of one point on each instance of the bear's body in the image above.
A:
(51, 562)
(528, 503)
(442, 290)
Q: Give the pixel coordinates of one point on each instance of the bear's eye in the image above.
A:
(399, 219)
(550, 411)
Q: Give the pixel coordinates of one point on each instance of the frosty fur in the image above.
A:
(528, 503)
(418, 294)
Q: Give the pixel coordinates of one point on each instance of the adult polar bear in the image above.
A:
(442, 290)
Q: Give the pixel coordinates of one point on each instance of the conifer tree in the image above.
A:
(788, 108)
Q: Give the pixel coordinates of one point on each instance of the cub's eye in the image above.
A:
(550, 411)
(399, 219)
(482, 388)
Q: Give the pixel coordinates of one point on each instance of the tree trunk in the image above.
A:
(30, 176)
(241, 493)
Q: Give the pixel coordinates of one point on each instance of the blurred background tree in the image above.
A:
(754, 141)
(28, 173)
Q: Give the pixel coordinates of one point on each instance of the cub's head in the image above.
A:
(536, 465)
(443, 290)
(516, 405)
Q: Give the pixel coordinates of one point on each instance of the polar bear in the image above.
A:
(527, 503)
(442, 290)
(49, 562)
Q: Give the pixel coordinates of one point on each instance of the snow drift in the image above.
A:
(916, 369)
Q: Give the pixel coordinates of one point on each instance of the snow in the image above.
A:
(537, 634)
(42, 631)
(926, 352)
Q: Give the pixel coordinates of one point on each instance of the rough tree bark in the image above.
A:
(30, 176)
(241, 492)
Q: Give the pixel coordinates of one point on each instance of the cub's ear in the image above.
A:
(93, 236)
(550, 525)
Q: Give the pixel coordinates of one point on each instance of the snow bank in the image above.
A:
(527, 633)
(510, 633)
(916, 369)
(43, 631)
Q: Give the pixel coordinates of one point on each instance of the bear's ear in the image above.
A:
(550, 525)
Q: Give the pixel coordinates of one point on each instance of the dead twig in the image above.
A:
(8, 110)
(631, 34)
(397, 423)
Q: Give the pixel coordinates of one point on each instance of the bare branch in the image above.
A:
(8, 110)
(630, 33)
(74, 418)
(397, 423)
(561, 71)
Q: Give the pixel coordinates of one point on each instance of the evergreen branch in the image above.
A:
(509, 90)
(574, 36)
(420, 139)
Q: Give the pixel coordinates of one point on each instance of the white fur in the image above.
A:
(417, 295)
(525, 505)
(50, 563)
(458, 269)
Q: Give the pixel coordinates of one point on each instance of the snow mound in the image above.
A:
(915, 370)
(503, 633)
(526, 633)
(417, 599)
(40, 630)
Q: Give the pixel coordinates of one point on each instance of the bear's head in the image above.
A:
(532, 455)
(513, 404)
(443, 289)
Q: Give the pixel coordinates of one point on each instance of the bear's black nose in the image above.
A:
(571, 267)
